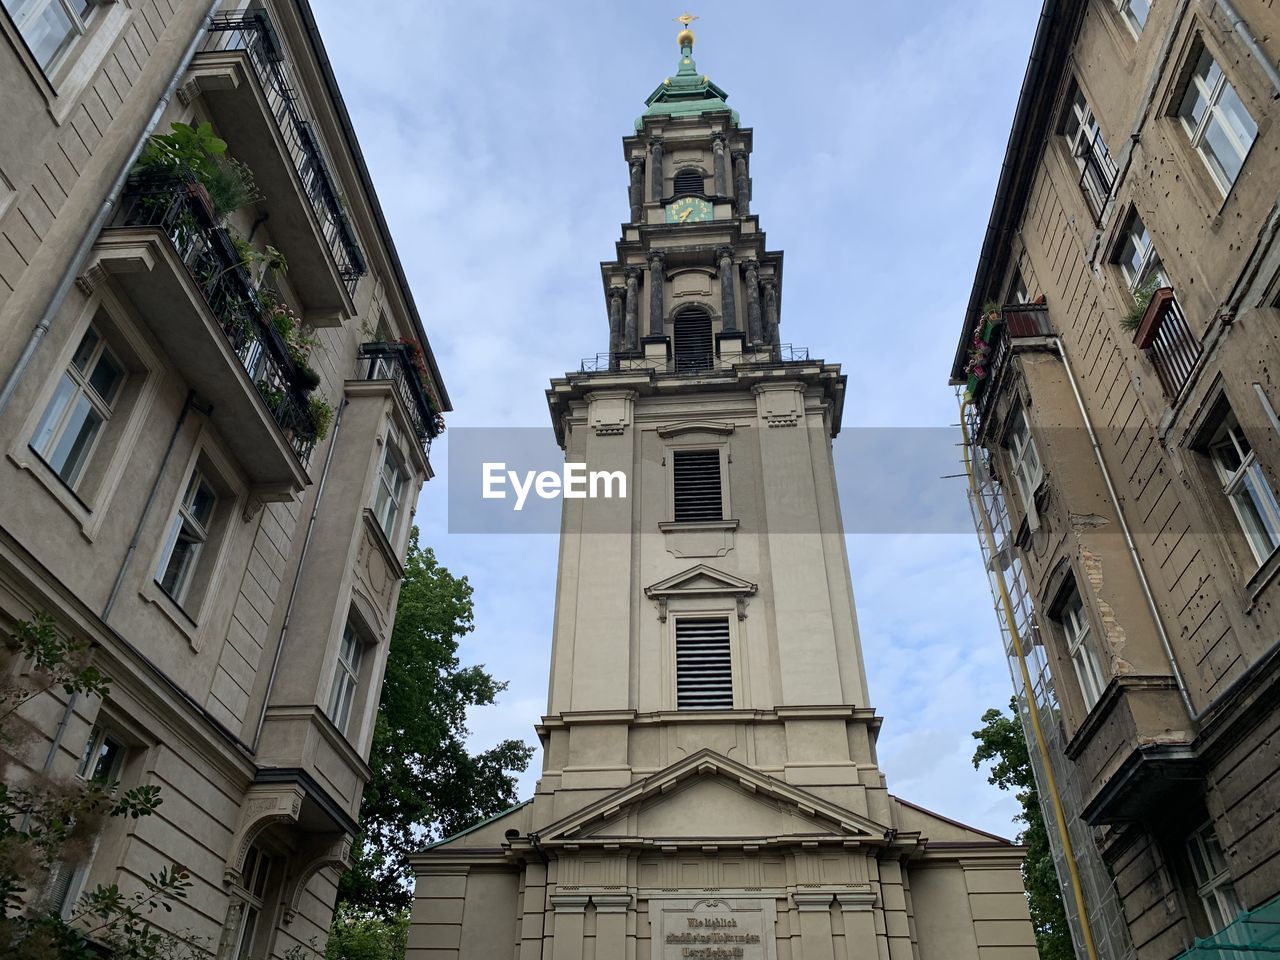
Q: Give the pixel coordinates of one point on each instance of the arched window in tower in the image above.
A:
(689, 181)
(694, 345)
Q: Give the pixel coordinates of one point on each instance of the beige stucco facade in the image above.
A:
(710, 784)
(1138, 517)
(225, 667)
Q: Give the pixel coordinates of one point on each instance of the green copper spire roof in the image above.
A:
(688, 93)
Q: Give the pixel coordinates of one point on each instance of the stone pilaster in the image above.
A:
(636, 191)
(771, 312)
(655, 169)
(611, 925)
(631, 310)
(741, 184)
(751, 277)
(617, 333)
(657, 283)
(728, 298)
(721, 166)
(814, 908)
(571, 914)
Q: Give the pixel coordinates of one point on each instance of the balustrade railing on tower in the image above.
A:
(684, 364)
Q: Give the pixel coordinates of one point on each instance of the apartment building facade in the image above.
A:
(216, 406)
(1118, 362)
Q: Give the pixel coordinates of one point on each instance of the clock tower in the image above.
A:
(710, 785)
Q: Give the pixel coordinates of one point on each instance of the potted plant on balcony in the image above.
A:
(321, 415)
(980, 350)
(1141, 300)
(194, 155)
(298, 341)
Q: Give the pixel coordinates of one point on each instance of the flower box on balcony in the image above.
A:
(1149, 326)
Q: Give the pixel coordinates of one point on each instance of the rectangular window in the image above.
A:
(692, 341)
(1089, 150)
(704, 670)
(696, 476)
(1138, 259)
(392, 480)
(346, 678)
(1135, 13)
(257, 873)
(49, 27)
(1024, 459)
(81, 405)
(1245, 486)
(1217, 122)
(1213, 881)
(1082, 650)
(188, 535)
(1017, 292)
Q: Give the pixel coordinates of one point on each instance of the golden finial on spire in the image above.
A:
(685, 37)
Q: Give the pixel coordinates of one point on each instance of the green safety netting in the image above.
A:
(1252, 935)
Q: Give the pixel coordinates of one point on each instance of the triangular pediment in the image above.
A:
(701, 580)
(708, 799)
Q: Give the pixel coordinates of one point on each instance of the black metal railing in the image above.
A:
(251, 32)
(210, 256)
(1017, 321)
(1166, 338)
(685, 363)
(398, 362)
(1097, 173)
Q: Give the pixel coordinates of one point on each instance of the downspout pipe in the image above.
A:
(1240, 26)
(297, 576)
(100, 219)
(1124, 527)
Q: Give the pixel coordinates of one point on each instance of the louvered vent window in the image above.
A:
(689, 181)
(694, 344)
(697, 485)
(704, 673)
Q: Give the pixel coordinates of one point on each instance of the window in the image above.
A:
(693, 343)
(1089, 150)
(1245, 486)
(696, 476)
(1213, 882)
(1138, 259)
(188, 535)
(82, 404)
(1080, 646)
(689, 181)
(392, 480)
(346, 678)
(257, 873)
(1135, 13)
(49, 27)
(1215, 118)
(1017, 290)
(704, 674)
(1024, 459)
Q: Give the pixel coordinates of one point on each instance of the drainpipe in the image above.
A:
(297, 576)
(1124, 527)
(90, 236)
(1250, 42)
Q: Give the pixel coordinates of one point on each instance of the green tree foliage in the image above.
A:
(47, 822)
(426, 784)
(357, 936)
(1001, 742)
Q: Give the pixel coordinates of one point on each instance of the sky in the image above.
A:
(493, 130)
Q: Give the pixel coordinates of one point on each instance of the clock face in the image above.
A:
(688, 210)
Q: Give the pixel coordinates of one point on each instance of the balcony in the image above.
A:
(1013, 322)
(401, 363)
(685, 364)
(185, 276)
(1168, 342)
(245, 79)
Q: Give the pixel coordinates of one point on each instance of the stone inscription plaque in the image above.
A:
(713, 928)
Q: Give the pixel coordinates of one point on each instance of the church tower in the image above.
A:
(709, 785)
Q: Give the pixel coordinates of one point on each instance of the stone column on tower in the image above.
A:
(617, 332)
(728, 280)
(741, 184)
(631, 310)
(655, 169)
(657, 281)
(636, 192)
(771, 312)
(751, 278)
(720, 165)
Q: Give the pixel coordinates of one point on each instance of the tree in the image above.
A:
(425, 784)
(48, 823)
(1002, 742)
(362, 936)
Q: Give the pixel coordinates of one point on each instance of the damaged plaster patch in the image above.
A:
(1086, 521)
(1112, 632)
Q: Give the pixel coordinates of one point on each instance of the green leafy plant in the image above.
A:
(272, 395)
(1141, 300)
(321, 415)
(47, 824)
(197, 154)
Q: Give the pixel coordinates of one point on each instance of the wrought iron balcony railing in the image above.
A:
(399, 362)
(1097, 174)
(1017, 321)
(1168, 342)
(685, 364)
(251, 32)
(215, 265)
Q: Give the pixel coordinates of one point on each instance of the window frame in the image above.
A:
(80, 22)
(1018, 443)
(1124, 8)
(1081, 129)
(1138, 271)
(388, 503)
(1074, 620)
(1226, 433)
(1213, 881)
(184, 518)
(347, 677)
(253, 893)
(1211, 96)
(704, 613)
(719, 449)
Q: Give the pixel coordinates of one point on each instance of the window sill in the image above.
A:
(79, 511)
(1262, 578)
(159, 597)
